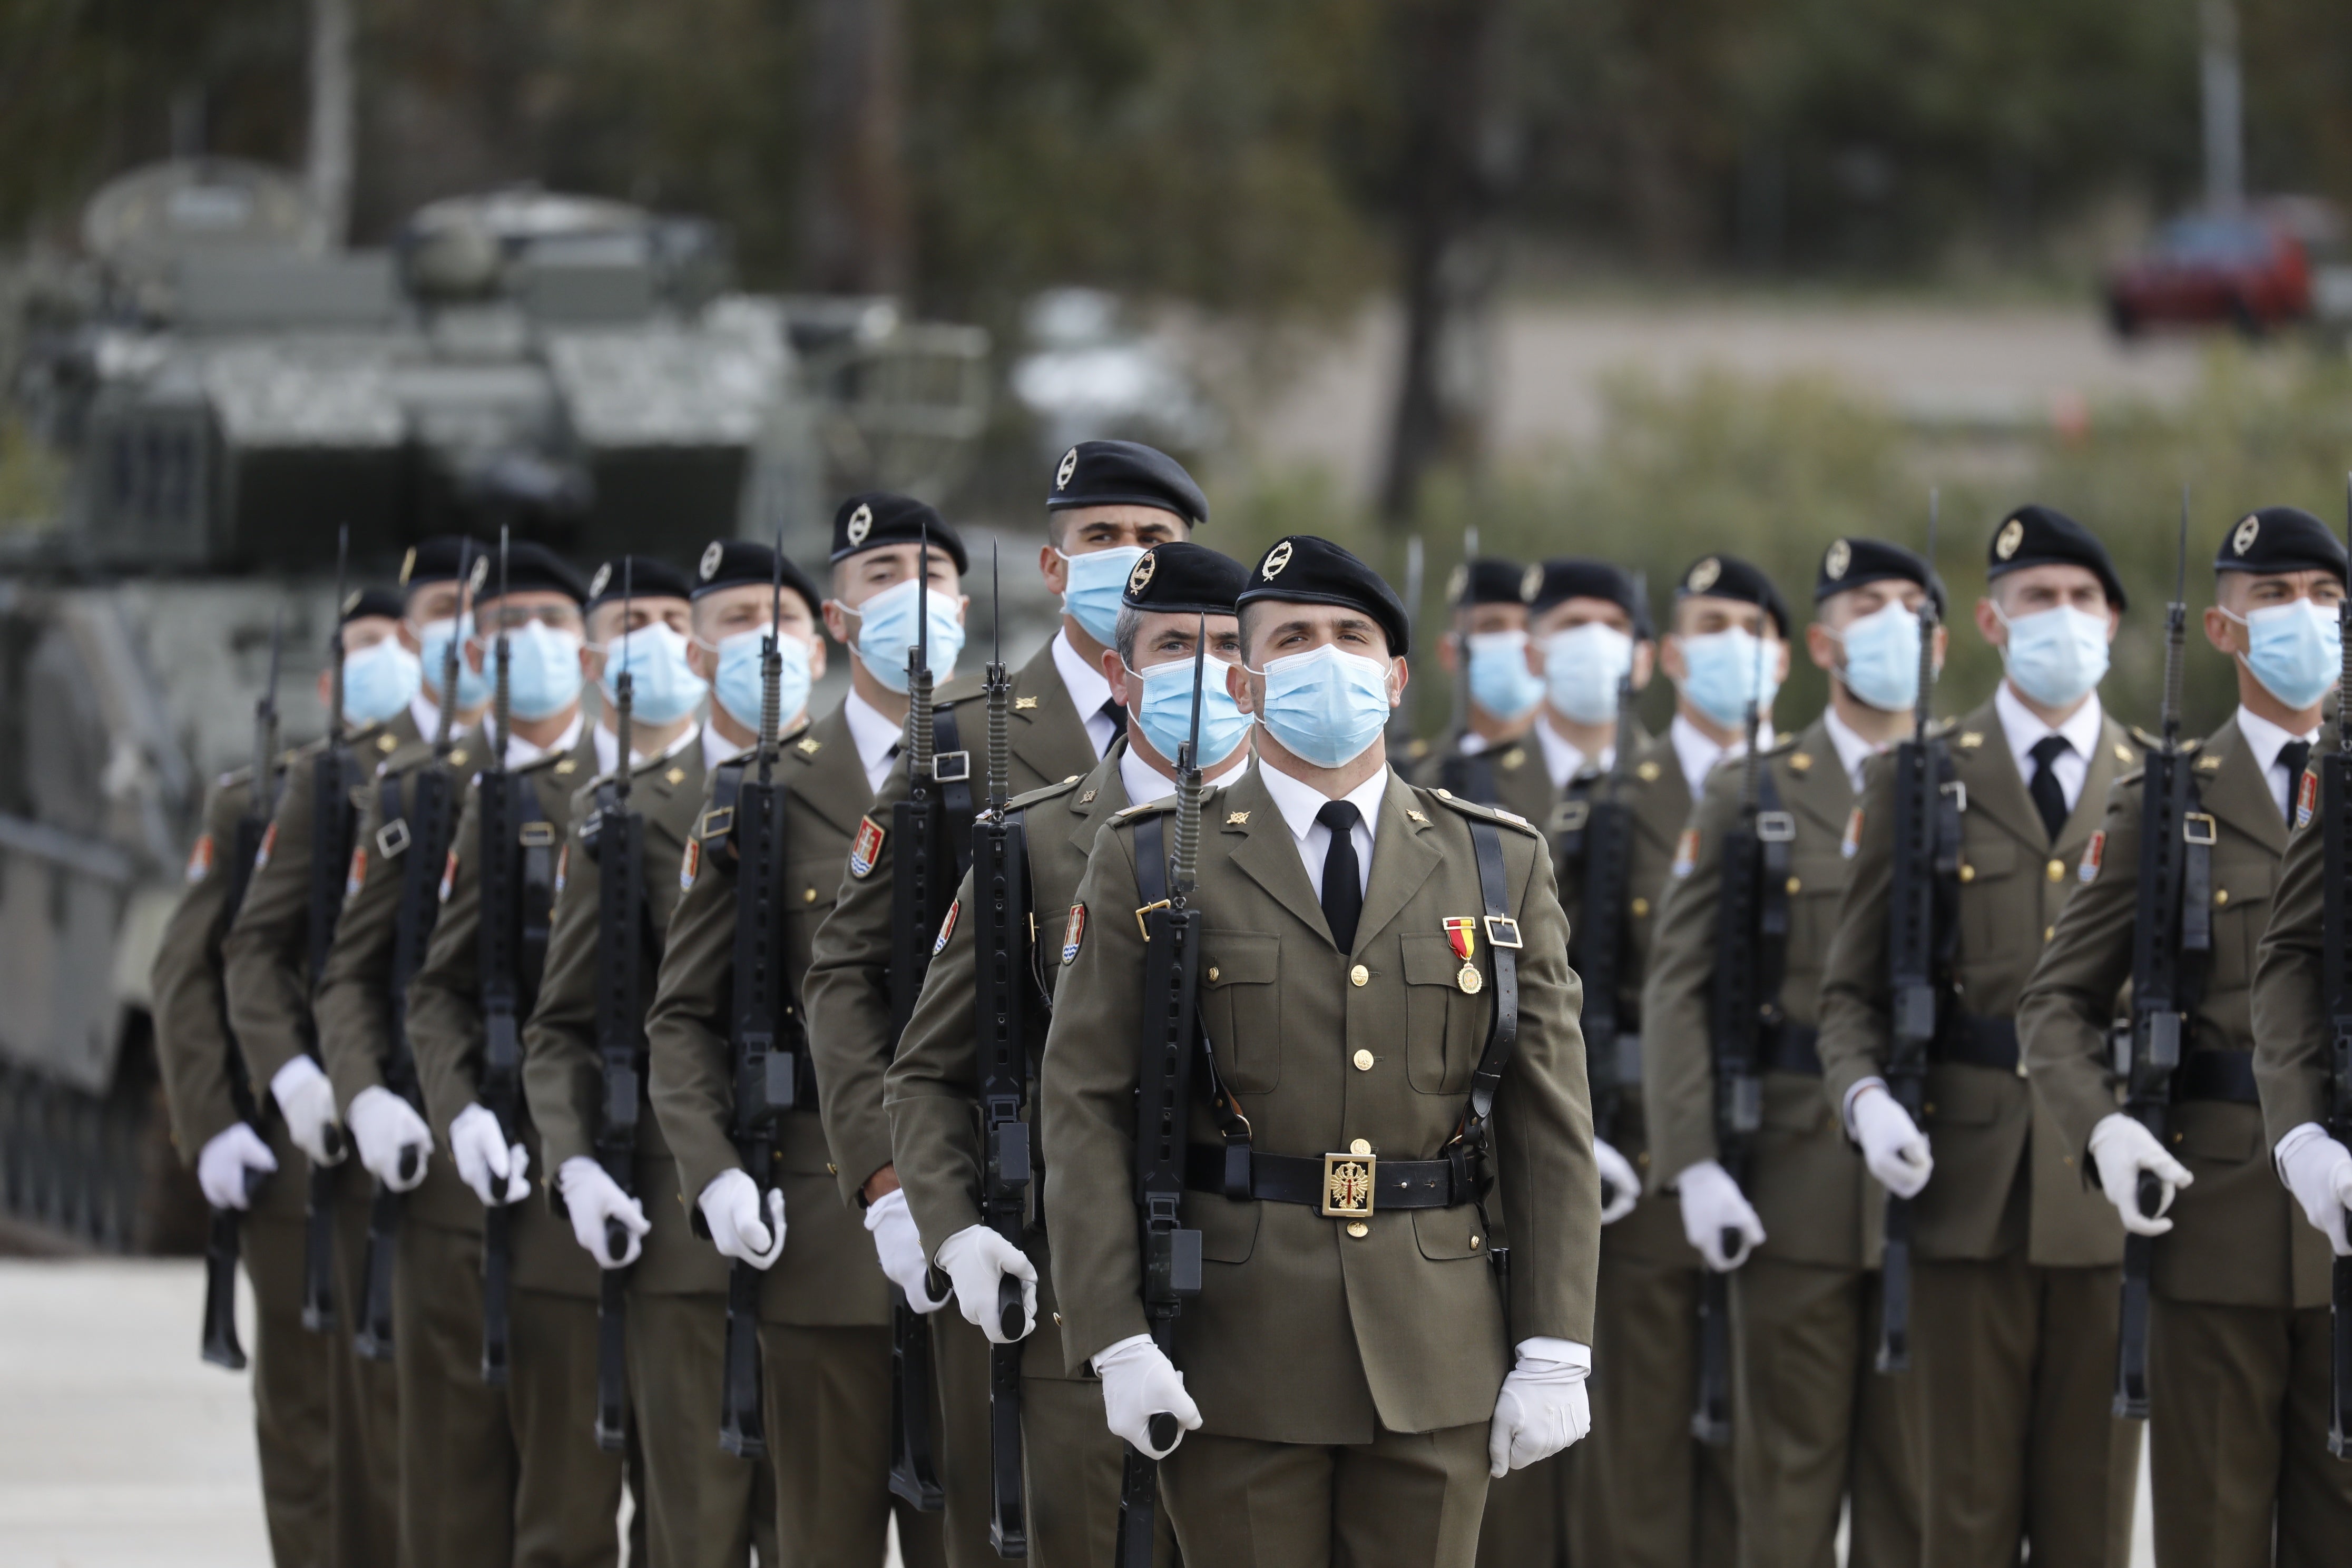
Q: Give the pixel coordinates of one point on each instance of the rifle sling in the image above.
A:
(955, 794)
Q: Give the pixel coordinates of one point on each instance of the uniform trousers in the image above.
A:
(704, 1508)
(2238, 1438)
(1074, 1464)
(825, 1393)
(497, 1478)
(1817, 1424)
(366, 1462)
(2016, 1366)
(292, 1373)
(1405, 1500)
(960, 1441)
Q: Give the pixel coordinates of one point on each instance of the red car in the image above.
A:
(2251, 274)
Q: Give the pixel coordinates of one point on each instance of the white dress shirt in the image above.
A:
(1564, 759)
(521, 753)
(2266, 740)
(1853, 751)
(1298, 803)
(875, 737)
(1699, 755)
(2024, 731)
(1470, 743)
(425, 714)
(608, 749)
(1090, 689)
(1143, 782)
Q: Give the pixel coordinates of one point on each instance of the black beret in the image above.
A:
(361, 602)
(1488, 580)
(1305, 570)
(2042, 536)
(2280, 539)
(645, 578)
(1125, 473)
(732, 563)
(877, 518)
(1183, 576)
(1853, 562)
(1729, 577)
(529, 569)
(444, 558)
(1555, 581)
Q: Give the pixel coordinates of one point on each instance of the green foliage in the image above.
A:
(32, 480)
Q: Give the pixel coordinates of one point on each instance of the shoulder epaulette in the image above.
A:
(1417, 750)
(1165, 803)
(1939, 728)
(2147, 741)
(962, 689)
(1471, 808)
(1045, 792)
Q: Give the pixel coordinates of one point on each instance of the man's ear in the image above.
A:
(1054, 568)
(1115, 671)
(1237, 683)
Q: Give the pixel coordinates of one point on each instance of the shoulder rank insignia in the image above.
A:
(567, 765)
(1024, 704)
(200, 858)
(1801, 762)
(691, 865)
(1238, 819)
(1851, 845)
(1074, 932)
(676, 776)
(1089, 798)
(2094, 854)
(448, 875)
(1462, 930)
(947, 928)
(2207, 763)
(808, 745)
(268, 842)
(1685, 853)
(1409, 816)
(2307, 798)
(1970, 741)
(866, 848)
(356, 877)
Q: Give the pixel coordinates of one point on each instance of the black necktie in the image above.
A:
(1343, 882)
(1117, 715)
(2295, 756)
(2048, 798)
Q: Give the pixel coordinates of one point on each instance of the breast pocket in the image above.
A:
(2241, 907)
(1441, 1021)
(1240, 1006)
(1998, 913)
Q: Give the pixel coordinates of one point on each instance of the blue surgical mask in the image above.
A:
(473, 690)
(662, 686)
(1881, 659)
(1096, 580)
(1167, 710)
(1500, 680)
(1325, 706)
(886, 631)
(2295, 651)
(1726, 671)
(2056, 657)
(542, 669)
(379, 681)
(737, 688)
(1585, 668)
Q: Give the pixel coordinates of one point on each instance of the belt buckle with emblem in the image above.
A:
(1462, 930)
(1348, 1185)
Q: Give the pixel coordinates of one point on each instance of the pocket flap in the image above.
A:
(1239, 958)
(2247, 883)
(1988, 855)
(1961, 1096)
(1449, 1234)
(1428, 959)
(1228, 1229)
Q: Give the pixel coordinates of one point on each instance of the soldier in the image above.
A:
(270, 966)
(492, 1471)
(2012, 1330)
(1496, 692)
(1817, 1427)
(934, 1083)
(823, 1336)
(1110, 500)
(2238, 1358)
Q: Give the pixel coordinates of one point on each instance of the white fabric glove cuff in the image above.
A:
(290, 1079)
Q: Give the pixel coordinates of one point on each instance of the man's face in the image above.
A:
(1278, 630)
(1169, 639)
(1847, 605)
(730, 612)
(360, 632)
(622, 617)
(1570, 614)
(2240, 593)
(1704, 614)
(1084, 530)
(557, 612)
(869, 572)
(2032, 590)
(427, 602)
(1478, 620)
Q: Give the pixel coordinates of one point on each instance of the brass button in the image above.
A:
(1928, 1108)
(2055, 870)
(809, 897)
(1967, 873)
(1474, 1242)
(1795, 885)
(1359, 975)
(2049, 933)
(1360, 1146)
(1057, 1319)
(1642, 1158)
(831, 1169)
(2176, 1137)
(1358, 1229)
(2220, 897)
(1363, 1061)
(2068, 1158)
(2021, 1072)
(1212, 972)
(1641, 908)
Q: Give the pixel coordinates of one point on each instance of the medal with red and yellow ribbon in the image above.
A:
(1462, 930)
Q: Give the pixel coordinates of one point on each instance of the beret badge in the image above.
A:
(1062, 475)
(597, 583)
(2012, 534)
(1703, 575)
(351, 601)
(408, 565)
(1531, 581)
(1145, 565)
(2243, 539)
(861, 524)
(1276, 560)
(711, 558)
(1840, 556)
(481, 573)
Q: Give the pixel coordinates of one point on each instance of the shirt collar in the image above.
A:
(1853, 751)
(1142, 782)
(521, 753)
(1564, 759)
(1089, 688)
(2264, 739)
(1299, 802)
(2023, 727)
(872, 733)
(425, 714)
(1698, 755)
(1471, 743)
(716, 749)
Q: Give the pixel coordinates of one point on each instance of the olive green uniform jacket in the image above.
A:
(1986, 1132)
(1305, 1330)
(1436, 766)
(2290, 997)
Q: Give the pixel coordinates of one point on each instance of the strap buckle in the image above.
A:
(1959, 794)
(1348, 1185)
(1503, 932)
(717, 822)
(392, 838)
(1775, 826)
(1144, 931)
(2194, 823)
(537, 835)
(950, 767)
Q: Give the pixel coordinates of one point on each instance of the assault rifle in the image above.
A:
(1922, 906)
(223, 1237)
(923, 885)
(618, 840)
(1750, 947)
(2336, 823)
(2172, 938)
(419, 831)
(1163, 1104)
(1004, 932)
(332, 826)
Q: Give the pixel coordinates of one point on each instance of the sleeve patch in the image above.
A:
(947, 928)
(200, 858)
(866, 849)
(1073, 933)
(688, 867)
(1851, 845)
(268, 842)
(2094, 854)
(1685, 853)
(2307, 797)
(562, 867)
(448, 875)
(356, 877)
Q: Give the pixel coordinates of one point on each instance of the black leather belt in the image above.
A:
(1791, 1048)
(1979, 1042)
(1340, 1185)
(2223, 1075)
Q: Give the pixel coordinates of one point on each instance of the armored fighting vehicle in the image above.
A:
(227, 396)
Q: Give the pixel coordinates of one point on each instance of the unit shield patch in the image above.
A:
(691, 865)
(2094, 854)
(947, 928)
(1685, 853)
(1851, 845)
(356, 877)
(1073, 933)
(2307, 798)
(200, 859)
(268, 842)
(866, 849)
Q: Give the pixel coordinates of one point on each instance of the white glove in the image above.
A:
(227, 1159)
(730, 1207)
(2318, 1171)
(1543, 1406)
(2122, 1149)
(592, 1197)
(308, 1102)
(393, 1138)
(1892, 1144)
(977, 1259)
(1621, 1189)
(900, 1247)
(1712, 1205)
(1139, 1382)
(485, 1158)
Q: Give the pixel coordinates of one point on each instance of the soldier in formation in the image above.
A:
(1496, 688)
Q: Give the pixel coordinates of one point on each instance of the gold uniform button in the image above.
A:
(1641, 908)
(1795, 885)
(1967, 873)
(1358, 1229)
(2220, 897)
(1360, 1146)
(2049, 933)
(1359, 975)
(831, 1169)
(1474, 1242)
(2055, 870)
(809, 897)
(1212, 972)
(1057, 1319)
(1363, 1060)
